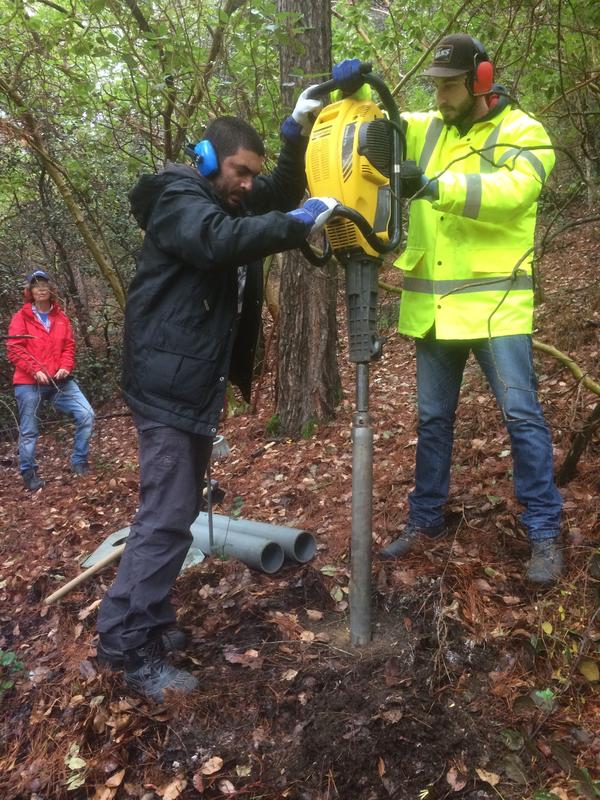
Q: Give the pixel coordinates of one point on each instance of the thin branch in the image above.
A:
(576, 88)
(571, 365)
(415, 67)
(62, 10)
(203, 77)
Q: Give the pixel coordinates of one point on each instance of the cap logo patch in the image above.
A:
(444, 53)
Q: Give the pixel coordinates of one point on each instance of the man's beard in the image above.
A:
(458, 116)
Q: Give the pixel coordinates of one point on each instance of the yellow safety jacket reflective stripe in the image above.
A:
(468, 258)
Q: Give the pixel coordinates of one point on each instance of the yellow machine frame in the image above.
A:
(337, 166)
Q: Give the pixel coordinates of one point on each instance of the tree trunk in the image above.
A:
(76, 288)
(580, 442)
(308, 381)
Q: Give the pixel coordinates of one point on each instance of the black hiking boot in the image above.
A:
(547, 562)
(82, 468)
(32, 480)
(147, 671)
(410, 537)
(171, 639)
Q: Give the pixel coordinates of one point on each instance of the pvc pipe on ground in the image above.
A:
(243, 539)
(254, 551)
(297, 544)
(239, 537)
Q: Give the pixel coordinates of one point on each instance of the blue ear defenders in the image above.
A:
(483, 70)
(205, 156)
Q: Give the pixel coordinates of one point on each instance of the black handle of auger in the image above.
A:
(363, 226)
(314, 258)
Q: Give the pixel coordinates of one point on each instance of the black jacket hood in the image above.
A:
(144, 195)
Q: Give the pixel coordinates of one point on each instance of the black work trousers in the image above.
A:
(172, 467)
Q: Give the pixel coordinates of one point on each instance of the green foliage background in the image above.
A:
(103, 90)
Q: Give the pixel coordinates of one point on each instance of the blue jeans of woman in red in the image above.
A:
(67, 397)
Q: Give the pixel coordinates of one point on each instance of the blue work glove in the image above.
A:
(429, 189)
(347, 74)
(301, 120)
(291, 130)
(315, 212)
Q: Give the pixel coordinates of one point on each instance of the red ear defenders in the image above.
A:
(205, 156)
(483, 70)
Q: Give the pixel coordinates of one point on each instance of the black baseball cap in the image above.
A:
(38, 275)
(454, 55)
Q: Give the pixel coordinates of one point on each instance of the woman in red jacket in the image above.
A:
(42, 349)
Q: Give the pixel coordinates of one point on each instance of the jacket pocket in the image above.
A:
(198, 341)
(185, 362)
(193, 381)
(410, 258)
(488, 261)
(182, 380)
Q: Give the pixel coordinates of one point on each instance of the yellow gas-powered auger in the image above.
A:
(354, 154)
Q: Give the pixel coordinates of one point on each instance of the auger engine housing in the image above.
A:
(348, 157)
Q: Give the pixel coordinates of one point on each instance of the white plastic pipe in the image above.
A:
(297, 544)
(254, 551)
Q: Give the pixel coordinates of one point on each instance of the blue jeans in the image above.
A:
(507, 363)
(67, 398)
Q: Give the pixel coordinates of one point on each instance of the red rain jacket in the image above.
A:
(48, 351)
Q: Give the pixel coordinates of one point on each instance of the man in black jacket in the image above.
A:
(191, 324)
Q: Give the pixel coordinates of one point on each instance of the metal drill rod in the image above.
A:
(362, 491)
(364, 345)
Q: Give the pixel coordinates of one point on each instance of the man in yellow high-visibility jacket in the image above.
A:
(468, 286)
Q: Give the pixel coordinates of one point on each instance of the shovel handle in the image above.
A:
(99, 565)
